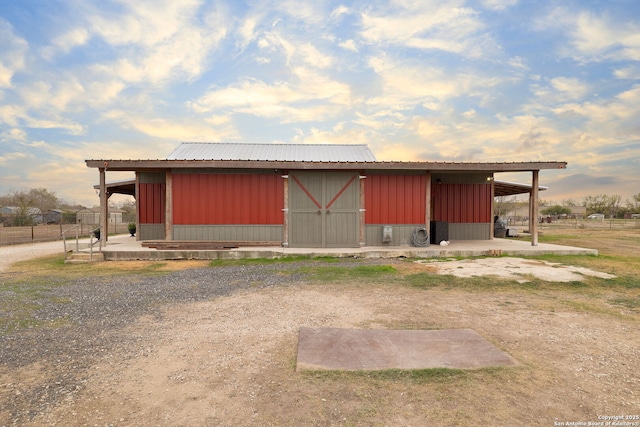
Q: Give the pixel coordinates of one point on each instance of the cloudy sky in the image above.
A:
(454, 80)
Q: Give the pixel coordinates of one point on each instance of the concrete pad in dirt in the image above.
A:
(518, 269)
(375, 349)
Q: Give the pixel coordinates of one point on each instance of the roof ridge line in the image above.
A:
(274, 143)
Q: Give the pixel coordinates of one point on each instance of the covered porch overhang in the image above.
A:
(504, 188)
(499, 188)
(106, 190)
(127, 187)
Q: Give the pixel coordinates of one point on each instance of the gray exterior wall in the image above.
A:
(401, 234)
(229, 233)
(150, 231)
(469, 231)
(151, 177)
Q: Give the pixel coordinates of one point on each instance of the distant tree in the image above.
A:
(603, 203)
(615, 202)
(28, 199)
(44, 200)
(22, 201)
(570, 203)
(633, 205)
(596, 204)
(556, 210)
(503, 205)
(128, 208)
(71, 207)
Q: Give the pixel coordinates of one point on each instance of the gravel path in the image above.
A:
(93, 313)
(14, 253)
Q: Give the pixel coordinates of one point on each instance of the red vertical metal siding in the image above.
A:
(227, 199)
(151, 203)
(395, 199)
(469, 203)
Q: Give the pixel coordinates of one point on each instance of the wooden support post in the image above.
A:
(533, 206)
(493, 204)
(285, 212)
(362, 228)
(104, 206)
(136, 192)
(168, 206)
(427, 209)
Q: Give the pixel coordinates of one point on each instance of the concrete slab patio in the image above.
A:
(127, 248)
(377, 349)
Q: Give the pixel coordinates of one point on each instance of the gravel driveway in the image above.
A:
(94, 311)
(14, 253)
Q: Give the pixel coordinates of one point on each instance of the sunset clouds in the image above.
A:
(492, 80)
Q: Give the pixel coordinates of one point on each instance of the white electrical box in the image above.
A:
(387, 233)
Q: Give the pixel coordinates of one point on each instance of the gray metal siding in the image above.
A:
(151, 177)
(236, 233)
(469, 231)
(401, 234)
(150, 231)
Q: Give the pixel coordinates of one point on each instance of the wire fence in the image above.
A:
(49, 232)
(591, 224)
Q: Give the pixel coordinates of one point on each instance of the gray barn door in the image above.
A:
(323, 209)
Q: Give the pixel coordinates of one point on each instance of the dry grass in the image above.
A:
(54, 266)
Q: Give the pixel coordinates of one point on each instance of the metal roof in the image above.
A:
(139, 165)
(273, 152)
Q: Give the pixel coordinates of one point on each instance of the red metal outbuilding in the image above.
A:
(227, 199)
(311, 195)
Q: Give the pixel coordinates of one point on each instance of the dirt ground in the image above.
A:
(231, 361)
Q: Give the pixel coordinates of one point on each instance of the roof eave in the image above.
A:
(138, 165)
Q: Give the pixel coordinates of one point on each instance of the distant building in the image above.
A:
(91, 216)
(578, 211)
(58, 216)
(13, 214)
